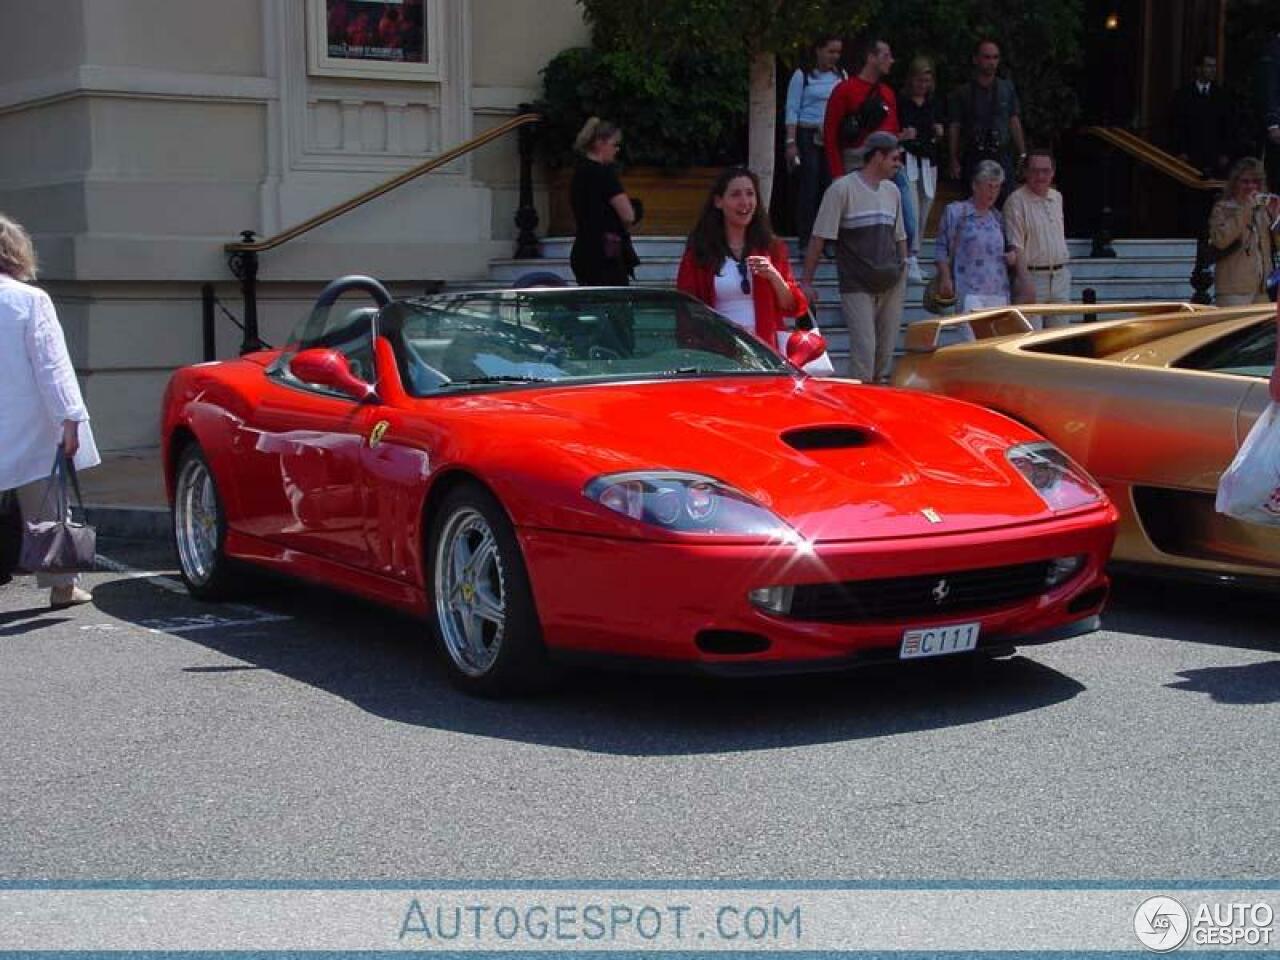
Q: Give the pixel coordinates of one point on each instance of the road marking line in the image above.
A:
(186, 624)
(207, 622)
(129, 573)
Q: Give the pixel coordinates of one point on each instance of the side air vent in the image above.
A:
(826, 438)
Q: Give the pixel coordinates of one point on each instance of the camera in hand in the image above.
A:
(987, 144)
(925, 147)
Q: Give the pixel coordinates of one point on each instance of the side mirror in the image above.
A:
(329, 368)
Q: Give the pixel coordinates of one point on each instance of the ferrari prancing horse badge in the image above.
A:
(377, 433)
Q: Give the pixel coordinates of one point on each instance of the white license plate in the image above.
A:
(937, 641)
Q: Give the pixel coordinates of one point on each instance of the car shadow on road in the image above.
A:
(381, 662)
(1250, 683)
(1176, 610)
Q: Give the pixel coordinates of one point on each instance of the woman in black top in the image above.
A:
(918, 114)
(602, 252)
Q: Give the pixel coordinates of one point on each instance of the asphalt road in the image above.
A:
(308, 737)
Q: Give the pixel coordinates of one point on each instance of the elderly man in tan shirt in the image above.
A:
(1034, 225)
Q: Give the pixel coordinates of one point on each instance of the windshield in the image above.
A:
(1250, 352)
(565, 335)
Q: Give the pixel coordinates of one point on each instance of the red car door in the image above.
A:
(300, 456)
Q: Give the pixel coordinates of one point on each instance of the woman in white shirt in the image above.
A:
(807, 96)
(39, 395)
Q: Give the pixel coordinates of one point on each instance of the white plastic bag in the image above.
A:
(820, 366)
(1250, 488)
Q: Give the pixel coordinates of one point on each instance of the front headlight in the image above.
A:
(686, 503)
(1061, 484)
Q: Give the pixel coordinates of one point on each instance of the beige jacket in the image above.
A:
(1246, 270)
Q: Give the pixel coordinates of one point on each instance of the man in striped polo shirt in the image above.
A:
(862, 212)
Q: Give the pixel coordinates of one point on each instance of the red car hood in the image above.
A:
(836, 461)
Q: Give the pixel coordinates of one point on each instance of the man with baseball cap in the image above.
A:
(862, 212)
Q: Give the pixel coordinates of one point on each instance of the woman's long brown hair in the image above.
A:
(708, 242)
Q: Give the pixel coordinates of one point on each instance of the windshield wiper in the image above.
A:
(715, 371)
(499, 378)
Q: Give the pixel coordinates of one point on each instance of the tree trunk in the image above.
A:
(762, 123)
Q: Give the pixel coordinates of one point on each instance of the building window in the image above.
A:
(382, 39)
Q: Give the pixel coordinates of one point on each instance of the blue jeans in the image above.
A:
(908, 210)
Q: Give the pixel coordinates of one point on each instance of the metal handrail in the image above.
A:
(243, 255)
(1148, 153)
(338, 210)
(1181, 172)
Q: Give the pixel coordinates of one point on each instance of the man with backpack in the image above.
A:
(859, 106)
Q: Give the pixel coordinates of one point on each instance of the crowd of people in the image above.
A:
(866, 161)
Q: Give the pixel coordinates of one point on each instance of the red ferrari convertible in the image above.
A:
(560, 473)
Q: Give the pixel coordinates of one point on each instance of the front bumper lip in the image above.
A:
(653, 601)
(875, 656)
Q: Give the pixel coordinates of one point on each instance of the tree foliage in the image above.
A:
(684, 111)
(1040, 44)
(674, 75)
(745, 27)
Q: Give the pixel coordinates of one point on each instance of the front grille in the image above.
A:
(902, 598)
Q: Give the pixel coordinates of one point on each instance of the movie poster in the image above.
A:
(382, 30)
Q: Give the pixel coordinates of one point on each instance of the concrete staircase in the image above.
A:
(1141, 270)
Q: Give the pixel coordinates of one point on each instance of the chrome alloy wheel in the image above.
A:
(470, 592)
(195, 521)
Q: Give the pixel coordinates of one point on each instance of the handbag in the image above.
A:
(1250, 488)
(932, 299)
(806, 347)
(62, 545)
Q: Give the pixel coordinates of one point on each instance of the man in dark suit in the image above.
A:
(1201, 121)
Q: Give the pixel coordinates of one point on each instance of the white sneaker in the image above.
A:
(913, 270)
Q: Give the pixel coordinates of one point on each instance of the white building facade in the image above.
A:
(141, 136)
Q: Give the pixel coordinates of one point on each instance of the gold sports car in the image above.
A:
(1153, 399)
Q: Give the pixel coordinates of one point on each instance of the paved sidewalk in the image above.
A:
(124, 495)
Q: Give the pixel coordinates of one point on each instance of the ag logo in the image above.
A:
(378, 432)
(1161, 923)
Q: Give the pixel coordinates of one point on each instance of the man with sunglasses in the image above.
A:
(862, 212)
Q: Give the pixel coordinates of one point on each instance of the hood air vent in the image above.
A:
(827, 438)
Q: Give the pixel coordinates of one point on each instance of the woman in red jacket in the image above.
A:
(735, 265)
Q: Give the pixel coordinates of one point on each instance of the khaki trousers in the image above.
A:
(874, 320)
(35, 506)
(1239, 299)
(1052, 286)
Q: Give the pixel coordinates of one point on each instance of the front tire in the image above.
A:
(200, 530)
(483, 614)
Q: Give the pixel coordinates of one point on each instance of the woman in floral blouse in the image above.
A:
(972, 263)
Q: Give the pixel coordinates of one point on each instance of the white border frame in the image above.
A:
(319, 63)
